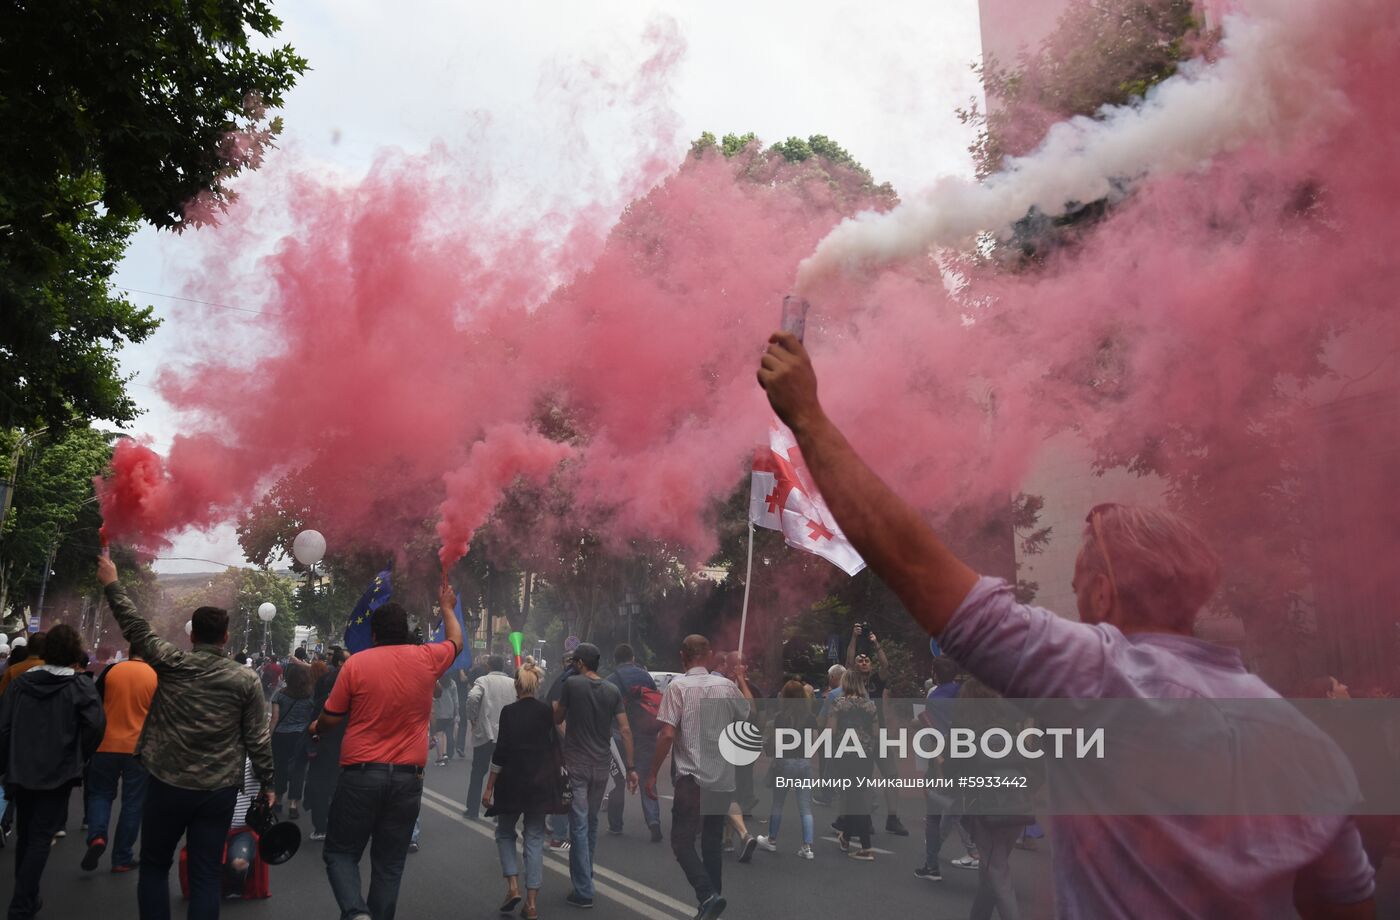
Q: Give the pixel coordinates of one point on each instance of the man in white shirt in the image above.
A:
(695, 709)
(491, 693)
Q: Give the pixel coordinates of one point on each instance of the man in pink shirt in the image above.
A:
(386, 694)
(1141, 577)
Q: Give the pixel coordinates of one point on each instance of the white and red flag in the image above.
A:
(783, 497)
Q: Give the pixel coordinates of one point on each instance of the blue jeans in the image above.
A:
(558, 827)
(589, 782)
(643, 748)
(202, 817)
(944, 816)
(798, 769)
(104, 772)
(534, 847)
(378, 809)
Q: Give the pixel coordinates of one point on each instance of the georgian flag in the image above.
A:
(782, 497)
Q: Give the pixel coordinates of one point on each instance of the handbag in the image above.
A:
(563, 789)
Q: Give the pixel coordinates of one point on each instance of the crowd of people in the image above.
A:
(194, 740)
(188, 740)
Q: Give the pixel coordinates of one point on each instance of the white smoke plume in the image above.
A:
(1275, 78)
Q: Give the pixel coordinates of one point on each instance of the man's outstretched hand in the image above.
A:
(787, 376)
(106, 571)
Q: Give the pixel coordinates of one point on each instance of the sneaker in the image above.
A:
(95, 849)
(578, 900)
(656, 833)
(413, 846)
(862, 855)
(894, 826)
(615, 831)
(767, 844)
(750, 844)
(967, 862)
(711, 907)
(805, 852)
(560, 845)
(318, 835)
(60, 835)
(122, 870)
(928, 873)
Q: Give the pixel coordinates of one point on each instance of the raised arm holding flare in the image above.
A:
(1141, 577)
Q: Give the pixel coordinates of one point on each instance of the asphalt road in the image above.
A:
(456, 874)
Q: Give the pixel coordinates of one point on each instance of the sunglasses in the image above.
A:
(1095, 519)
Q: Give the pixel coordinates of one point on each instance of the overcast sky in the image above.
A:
(501, 77)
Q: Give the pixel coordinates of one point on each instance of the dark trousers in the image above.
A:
(743, 788)
(39, 813)
(374, 808)
(464, 725)
(702, 870)
(481, 765)
(289, 764)
(321, 777)
(643, 747)
(202, 817)
(105, 772)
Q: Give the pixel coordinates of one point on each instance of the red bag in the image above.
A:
(256, 886)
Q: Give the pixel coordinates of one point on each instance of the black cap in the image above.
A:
(588, 655)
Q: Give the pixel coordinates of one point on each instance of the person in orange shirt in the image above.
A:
(33, 659)
(126, 689)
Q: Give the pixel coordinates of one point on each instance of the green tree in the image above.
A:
(115, 111)
(52, 523)
(241, 591)
(1101, 52)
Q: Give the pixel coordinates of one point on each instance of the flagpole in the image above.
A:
(748, 582)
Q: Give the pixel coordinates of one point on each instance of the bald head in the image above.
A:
(695, 651)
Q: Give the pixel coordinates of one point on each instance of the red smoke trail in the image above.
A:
(505, 454)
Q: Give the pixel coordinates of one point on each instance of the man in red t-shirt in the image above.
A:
(386, 692)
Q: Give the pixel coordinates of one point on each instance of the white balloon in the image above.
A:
(309, 547)
(267, 611)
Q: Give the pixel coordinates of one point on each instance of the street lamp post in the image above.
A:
(629, 608)
(309, 548)
(266, 612)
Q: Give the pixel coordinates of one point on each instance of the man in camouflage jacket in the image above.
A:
(207, 715)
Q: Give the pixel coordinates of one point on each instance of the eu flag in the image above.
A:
(357, 631)
(464, 660)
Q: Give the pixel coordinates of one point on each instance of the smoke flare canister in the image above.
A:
(795, 315)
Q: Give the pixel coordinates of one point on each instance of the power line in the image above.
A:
(207, 303)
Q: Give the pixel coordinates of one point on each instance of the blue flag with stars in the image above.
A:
(357, 631)
(464, 660)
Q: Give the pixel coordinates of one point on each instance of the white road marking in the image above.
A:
(453, 809)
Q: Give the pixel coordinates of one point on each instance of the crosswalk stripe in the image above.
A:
(453, 809)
